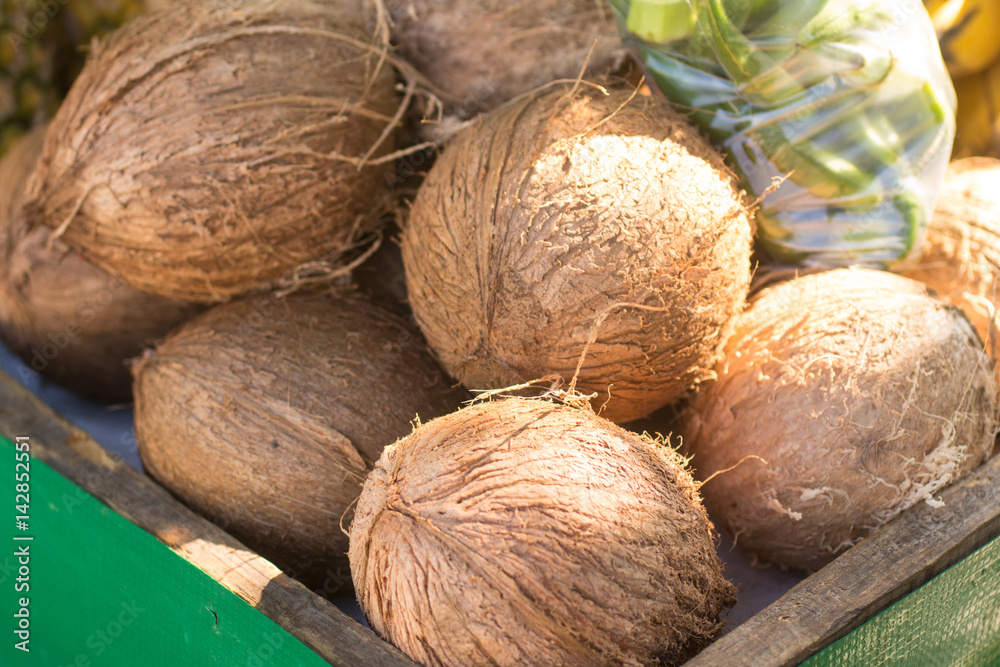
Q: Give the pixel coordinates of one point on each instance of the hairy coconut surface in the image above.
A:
(481, 53)
(960, 259)
(207, 150)
(567, 215)
(68, 319)
(266, 414)
(521, 532)
(844, 398)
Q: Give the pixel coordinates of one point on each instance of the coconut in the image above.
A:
(845, 397)
(522, 532)
(207, 150)
(481, 53)
(579, 226)
(66, 318)
(960, 258)
(266, 414)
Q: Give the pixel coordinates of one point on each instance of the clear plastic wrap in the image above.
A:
(846, 103)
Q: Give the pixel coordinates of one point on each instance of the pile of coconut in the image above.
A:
(388, 292)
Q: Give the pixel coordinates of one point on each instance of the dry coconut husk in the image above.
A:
(67, 319)
(521, 532)
(207, 150)
(960, 259)
(478, 54)
(574, 225)
(845, 397)
(266, 414)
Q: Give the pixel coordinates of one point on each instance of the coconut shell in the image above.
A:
(266, 414)
(845, 397)
(564, 216)
(208, 150)
(526, 533)
(67, 319)
(480, 53)
(960, 259)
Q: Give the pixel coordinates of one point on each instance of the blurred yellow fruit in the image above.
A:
(967, 33)
(978, 117)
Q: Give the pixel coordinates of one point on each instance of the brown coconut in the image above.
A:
(207, 150)
(565, 216)
(521, 532)
(845, 397)
(480, 53)
(66, 318)
(266, 414)
(960, 259)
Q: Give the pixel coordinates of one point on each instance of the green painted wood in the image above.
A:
(954, 619)
(104, 592)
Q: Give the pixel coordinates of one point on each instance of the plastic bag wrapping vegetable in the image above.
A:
(848, 101)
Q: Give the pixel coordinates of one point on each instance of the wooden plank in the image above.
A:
(311, 619)
(894, 561)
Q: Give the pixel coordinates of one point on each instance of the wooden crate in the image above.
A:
(898, 559)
